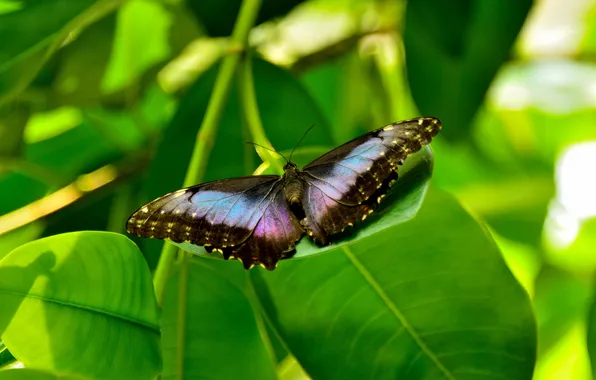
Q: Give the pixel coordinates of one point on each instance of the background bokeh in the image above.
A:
(91, 90)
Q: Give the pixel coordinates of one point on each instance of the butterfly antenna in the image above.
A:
(269, 149)
(299, 141)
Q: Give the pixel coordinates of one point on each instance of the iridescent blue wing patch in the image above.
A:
(246, 218)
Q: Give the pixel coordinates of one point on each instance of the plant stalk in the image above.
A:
(208, 129)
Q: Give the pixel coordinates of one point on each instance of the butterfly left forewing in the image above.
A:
(246, 218)
(219, 214)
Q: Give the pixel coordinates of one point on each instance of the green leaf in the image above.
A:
(456, 48)
(559, 303)
(23, 189)
(24, 50)
(83, 64)
(131, 54)
(80, 303)
(76, 151)
(210, 326)
(430, 298)
(562, 306)
(341, 99)
(34, 374)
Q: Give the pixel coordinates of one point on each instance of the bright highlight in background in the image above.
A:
(575, 201)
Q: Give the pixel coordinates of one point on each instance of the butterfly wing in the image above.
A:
(344, 185)
(239, 216)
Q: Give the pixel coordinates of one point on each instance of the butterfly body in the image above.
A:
(259, 219)
(293, 185)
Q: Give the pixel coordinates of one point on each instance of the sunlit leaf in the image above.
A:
(131, 55)
(54, 317)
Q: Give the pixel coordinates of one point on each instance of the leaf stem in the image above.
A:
(181, 326)
(249, 106)
(208, 129)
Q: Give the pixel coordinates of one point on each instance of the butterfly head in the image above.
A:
(290, 166)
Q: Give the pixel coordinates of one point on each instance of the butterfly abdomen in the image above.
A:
(293, 191)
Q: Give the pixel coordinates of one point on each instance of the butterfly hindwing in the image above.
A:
(228, 215)
(274, 236)
(345, 184)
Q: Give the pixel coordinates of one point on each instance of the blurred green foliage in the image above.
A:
(483, 270)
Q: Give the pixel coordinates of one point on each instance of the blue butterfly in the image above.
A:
(259, 219)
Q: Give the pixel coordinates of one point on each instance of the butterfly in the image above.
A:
(259, 219)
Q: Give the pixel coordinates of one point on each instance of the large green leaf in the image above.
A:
(80, 303)
(426, 299)
(210, 326)
(453, 50)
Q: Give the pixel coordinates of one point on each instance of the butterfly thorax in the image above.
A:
(292, 184)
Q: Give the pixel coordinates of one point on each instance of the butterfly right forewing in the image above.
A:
(345, 185)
